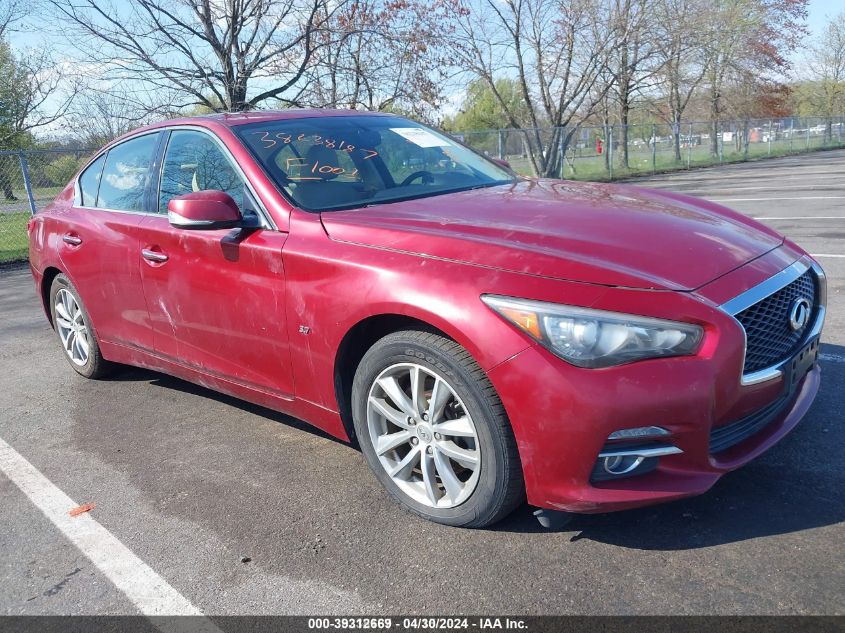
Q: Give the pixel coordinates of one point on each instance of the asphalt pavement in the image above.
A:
(241, 510)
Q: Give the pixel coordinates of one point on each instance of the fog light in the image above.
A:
(629, 460)
(621, 464)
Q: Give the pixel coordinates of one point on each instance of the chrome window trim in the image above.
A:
(265, 217)
(79, 206)
(765, 289)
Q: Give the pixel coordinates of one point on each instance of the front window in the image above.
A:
(351, 161)
(194, 162)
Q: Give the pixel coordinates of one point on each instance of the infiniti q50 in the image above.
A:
(485, 338)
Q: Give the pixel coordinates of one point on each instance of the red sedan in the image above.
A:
(483, 337)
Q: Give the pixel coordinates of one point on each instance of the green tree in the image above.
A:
(29, 99)
(824, 92)
(60, 170)
(12, 76)
(482, 110)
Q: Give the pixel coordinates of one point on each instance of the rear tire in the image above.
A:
(448, 454)
(74, 330)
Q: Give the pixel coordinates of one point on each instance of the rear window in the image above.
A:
(126, 174)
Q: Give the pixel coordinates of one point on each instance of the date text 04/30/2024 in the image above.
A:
(418, 623)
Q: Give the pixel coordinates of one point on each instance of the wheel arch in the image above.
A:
(355, 343)
(49, 274)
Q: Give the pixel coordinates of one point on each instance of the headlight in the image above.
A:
(596, 338)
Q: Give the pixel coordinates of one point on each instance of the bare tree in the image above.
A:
(556, 49)
(382, 54)
(30, 95)
(102, 113)
(10, 12)
(220, 54)
(635, 60)
(681, 31)
(826, 63)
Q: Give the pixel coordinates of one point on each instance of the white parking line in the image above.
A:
(774, 199)
(833, 358)
(730, 189)
(721, 178)
(825, 255)
(799, 217)
(145, 589)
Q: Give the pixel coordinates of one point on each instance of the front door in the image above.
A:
(216, 298)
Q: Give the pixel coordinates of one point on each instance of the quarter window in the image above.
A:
(126, 174)
(89, 182)
(194, 162)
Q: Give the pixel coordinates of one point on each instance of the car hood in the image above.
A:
(615, 235)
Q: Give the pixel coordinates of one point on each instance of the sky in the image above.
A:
(820, 10)
(818, 13)
(38, 35)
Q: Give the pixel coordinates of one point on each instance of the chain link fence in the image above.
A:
(30, 179)
(613, 152)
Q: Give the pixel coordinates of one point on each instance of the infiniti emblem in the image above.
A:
(799, 314)
(424, 434)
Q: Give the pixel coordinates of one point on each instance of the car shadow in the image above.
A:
(137, 374)
(796, 486)
(793, 487)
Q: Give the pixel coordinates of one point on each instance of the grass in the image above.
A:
(14, 242)
(641, 162)
(14, 214)
(43, 196)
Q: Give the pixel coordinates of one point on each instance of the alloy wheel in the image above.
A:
(71, 326)
(423, 435)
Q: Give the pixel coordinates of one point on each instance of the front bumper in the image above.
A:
(562, 415)
(560, 433)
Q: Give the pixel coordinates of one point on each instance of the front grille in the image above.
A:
(769, 337)
(724, 437)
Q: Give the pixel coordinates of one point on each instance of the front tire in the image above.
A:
(74, 330)
(434, 431)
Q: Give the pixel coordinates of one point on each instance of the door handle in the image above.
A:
(153, 256)
(70, 238)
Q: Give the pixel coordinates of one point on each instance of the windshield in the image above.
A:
(351, 161)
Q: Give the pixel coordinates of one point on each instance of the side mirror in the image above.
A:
(204, 210)
(501, 162)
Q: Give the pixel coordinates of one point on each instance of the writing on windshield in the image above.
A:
(270, 140)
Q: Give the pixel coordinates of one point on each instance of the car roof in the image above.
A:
(234, 119)
(240, 118)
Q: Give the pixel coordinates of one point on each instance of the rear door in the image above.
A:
(100, 241)
(216, 298)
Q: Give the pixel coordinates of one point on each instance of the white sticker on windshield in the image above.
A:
(421, 137)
